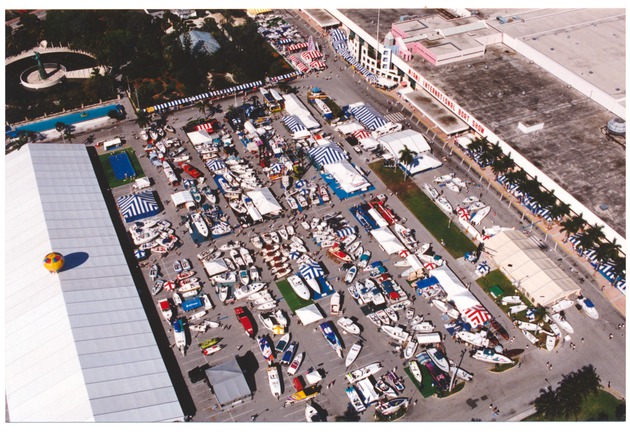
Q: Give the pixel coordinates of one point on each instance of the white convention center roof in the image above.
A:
(78, 343)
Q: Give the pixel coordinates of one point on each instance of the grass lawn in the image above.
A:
(427, 212)
(600, 407)
(426, 388)
(109, 172)
(496, 277)
(290, 296)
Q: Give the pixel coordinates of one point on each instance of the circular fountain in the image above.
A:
(42, 75)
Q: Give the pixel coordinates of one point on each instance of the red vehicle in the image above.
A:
(298, 383)
(190, 170)
(245, 320)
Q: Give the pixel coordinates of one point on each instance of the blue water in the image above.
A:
(121, 165)
(69, 119)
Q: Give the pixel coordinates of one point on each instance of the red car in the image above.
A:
(245, 320)
(190, 170)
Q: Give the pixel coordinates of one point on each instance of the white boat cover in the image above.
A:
(309, 314)
(414, 262)
(347, 176)
(214, 267)
(388, 241)
(367, 391)
(264, 201)
(182, 198)
(369, 143)
(313, 377)
(141, 183)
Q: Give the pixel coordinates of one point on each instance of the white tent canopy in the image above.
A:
(369, 143)
(349, 128)
(537, 276)
(199, 137)
(414, 141)
(182, 198)
(264, 201)
(387, 240)
(347, 176)
(454, 288)
(294, 107)
(214, 267)
(309, 314)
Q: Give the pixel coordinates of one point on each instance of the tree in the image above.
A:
(142, 120)
(558, 210)
(547, 405)
(619, 268)
(68, 134)
(516, 177)
(591, 237)
(572, 226)
(502, 165)
(406, 156)
(60, 127)
(530, 187)
(605, 252)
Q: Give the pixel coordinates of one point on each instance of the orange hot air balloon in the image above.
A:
(53, 262)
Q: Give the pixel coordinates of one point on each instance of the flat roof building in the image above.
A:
(78, 344)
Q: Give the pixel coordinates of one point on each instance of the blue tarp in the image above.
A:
(425, 283)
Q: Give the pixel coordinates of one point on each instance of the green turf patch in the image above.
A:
(426, 211)
(497, 278)
(600, 407)
(109, 172)
(290, 296)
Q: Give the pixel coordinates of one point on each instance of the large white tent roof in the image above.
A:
(414, 141)
(199, 137)
(182, 197)
(214, 267)
(347, 176)
(349, 128)
(294, 106)
(387, 240)
(309, 314)
(78, 344)
(264, 201)
(455, 290)
(537, 276)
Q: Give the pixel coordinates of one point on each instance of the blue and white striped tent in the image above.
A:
(300, 183)
(368, 116)
(294, 124)
(344, 232)
(293, 255)
(327, 154)
(482, 269)
(311, 270)
(276, 168)
(338, 35)
(138, 206)
(215, 165)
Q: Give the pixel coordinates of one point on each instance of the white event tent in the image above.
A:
(388, 241)
(414, 141)
(264, 201)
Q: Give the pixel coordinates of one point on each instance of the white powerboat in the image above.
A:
(200, 224)
(348, 325)
(588, 307)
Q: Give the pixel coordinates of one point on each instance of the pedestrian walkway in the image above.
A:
(395, 117)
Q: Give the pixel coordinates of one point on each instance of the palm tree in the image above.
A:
(606, 252)
(68, 134)
(618, 268)
(591, 237)
(60, 127)
(572, 226)
(547, 405)
(142, 119)
(589, 381)
(502, 165)
(517, 177)
(558, 210)
(203, 105)
(406, 156)
(531, 187)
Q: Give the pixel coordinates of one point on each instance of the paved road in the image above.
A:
(512, 391)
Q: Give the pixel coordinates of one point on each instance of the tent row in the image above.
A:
(368, 116)
(221, 92)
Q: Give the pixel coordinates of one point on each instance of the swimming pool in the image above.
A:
(69, 119)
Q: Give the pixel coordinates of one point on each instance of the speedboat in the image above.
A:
(212, 349)
(230, 245)
(396, 333)
(331, 336)
(451, 186)
(265, 349)
(200, 224)
(588, 307)
(444, 178)
(410, 348)
(154, 271)
(479, 215)
(246, 290)
(157, 287)
(470, 199)
(350, 274)
(445, 204)
(287, 357)
(355, 400)
(438, 358)
(384, 388)
(511, 299)
(475, 339)
(364, 259)
(364, 372)
(274, 381)
(177, 266)
(530, 337)
(490, 356)
(348, 325)
(283, 234)
(335, 303)
(432, 191)
(243, 276)
(392, 406)
(562, 305)
(353, 353)
(254, 276)
(414, 367)
(257, 242)
(323, 193)
(186, 265)
(165, 308)
(375, 319)
(295, 365)
(180, 335)
(562, 322)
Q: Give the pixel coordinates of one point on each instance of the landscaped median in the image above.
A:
(427, 212)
